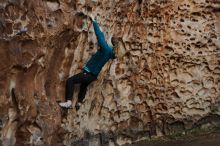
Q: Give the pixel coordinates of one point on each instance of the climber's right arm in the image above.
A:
(100, 35)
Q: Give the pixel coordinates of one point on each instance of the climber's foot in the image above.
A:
(22, 30)
(67, 104)
(77, 106)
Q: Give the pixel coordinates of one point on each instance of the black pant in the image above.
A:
(84, 78)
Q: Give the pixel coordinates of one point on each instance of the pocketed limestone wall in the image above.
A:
(166, 77)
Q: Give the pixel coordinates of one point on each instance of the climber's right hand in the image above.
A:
(91, 17)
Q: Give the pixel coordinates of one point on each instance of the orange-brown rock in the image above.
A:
(166, 78)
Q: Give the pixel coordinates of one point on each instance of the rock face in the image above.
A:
(165, 80)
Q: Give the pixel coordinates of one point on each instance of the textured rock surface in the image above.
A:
(166, 79)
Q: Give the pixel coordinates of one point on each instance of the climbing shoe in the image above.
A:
(67, 104)
(77, 106)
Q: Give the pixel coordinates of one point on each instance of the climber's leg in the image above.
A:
(78, 78)
(81, 96)
(83, 89)
(83, 78)
(82, 92)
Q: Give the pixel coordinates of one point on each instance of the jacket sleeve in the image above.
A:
(100, 36)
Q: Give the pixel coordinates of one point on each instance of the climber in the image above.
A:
(90, 70)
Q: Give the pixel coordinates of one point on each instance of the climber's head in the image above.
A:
(115, 42)
(115, 45)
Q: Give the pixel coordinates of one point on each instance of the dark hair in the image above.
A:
(113, 55)
(115, 41)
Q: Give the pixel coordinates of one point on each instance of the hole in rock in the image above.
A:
(196, 13)
(209, 41)
(23, 17)
(169, 48)
(216, 10)
(194, 20)
(41, 18)
(140, 1)
(89, 9)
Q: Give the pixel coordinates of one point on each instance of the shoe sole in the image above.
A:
(58, 101)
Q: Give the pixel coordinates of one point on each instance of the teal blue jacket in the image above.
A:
(99, 59)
